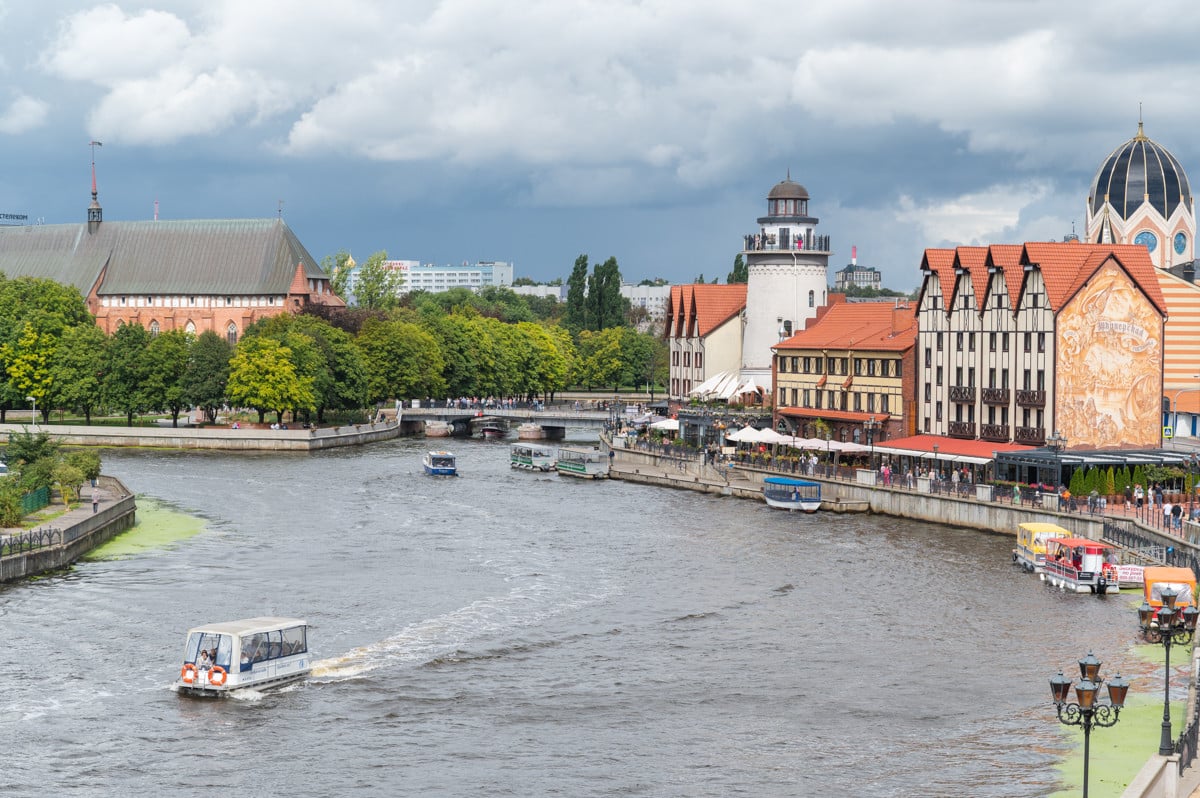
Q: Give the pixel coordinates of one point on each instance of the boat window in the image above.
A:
(256, 647)
(218, 647)
(294, 641)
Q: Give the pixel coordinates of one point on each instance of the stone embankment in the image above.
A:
(246, 438)
(64, 540)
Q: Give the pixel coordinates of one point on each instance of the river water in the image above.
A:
(510, 634)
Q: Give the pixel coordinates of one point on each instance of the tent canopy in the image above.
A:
(668, 424)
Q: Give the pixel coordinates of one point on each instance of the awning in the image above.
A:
(667, 424)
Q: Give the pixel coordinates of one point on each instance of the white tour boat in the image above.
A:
(532, 457)
(786, 493)
(580, 461)
(1081, 565)
(439, 463)
(253, 653)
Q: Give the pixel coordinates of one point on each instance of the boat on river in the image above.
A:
(786, 493)
(1157, 578)
(1081, 565)
(581, 461)
(532, 457)
(1030, 552)
(440, 463)
(253, 653)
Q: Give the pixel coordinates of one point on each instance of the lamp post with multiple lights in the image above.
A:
(1084, 710)
(870, 425)
(1167, 625)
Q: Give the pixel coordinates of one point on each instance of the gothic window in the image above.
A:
(812, 298)
(231, 334)
(190, 328)
(153, 328)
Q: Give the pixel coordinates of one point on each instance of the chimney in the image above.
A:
(902, 317)
(854, 255)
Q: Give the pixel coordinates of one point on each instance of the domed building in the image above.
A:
(1141, 195)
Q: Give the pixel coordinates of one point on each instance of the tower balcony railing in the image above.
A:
(757, 242)
(993, 432)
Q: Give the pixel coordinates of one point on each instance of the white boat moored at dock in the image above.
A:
(580, 461)
(532, 457)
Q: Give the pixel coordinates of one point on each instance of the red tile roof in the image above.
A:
(952, 446)
(1064, 265)
(860, 325)
(698, 309)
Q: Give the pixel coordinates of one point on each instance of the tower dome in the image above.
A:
(788, 189)
(1140, 171)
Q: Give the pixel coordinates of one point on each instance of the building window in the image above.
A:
(1004, 342)
(675, 358)
(782, 396)
(938, 408)
(812, 299)
(883, 404)
(699, 360)
(991, 342)
(687, 360)
(939, 342)
(783, 365)
(153, 328)
(928, 357)
(898, 368)
(807, 397)
(958, 341)
(939, 375)
(1028, 342)
(928, 392)
(231, 334)
(857, 401)
(1041, 342)
(970, 342)
(190, 328)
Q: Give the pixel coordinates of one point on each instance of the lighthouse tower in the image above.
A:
(788, 266)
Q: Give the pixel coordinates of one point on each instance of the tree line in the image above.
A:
(325, 360)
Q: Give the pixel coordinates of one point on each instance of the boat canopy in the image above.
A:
(791, 483)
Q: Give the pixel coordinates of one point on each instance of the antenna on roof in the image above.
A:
(156, 209)
(94, 144)
(280, 209)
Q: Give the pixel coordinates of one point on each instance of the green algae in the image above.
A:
(157, 529)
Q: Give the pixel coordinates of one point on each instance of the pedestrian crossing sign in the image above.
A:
(1168, 432)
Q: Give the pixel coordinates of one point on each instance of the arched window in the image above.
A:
(154, 328)
(812, 299)
(231, 334)
(190, 327)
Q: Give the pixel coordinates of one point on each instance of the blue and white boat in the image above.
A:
(439, 463)
(786, 493)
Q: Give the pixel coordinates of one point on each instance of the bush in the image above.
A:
(87, 461)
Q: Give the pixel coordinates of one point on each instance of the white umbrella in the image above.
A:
(744, 435)
(668, 424)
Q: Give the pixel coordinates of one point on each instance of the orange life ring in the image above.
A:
(216, 671)
(188, 673)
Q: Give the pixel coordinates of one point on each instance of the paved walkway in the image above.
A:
(82, 510)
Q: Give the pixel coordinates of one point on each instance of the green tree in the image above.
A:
(207, 373)
(575, 317)
(77, 368)
(125, 370)
(262, 376)
(338, 269)
(28, 362)
(601, 364)
(377, 287)
(402, 360)
(606, 307)
(740, 273)
(166, 388)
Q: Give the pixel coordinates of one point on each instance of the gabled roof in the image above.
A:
(941, 263)
(864, 326)
(204, 256)
(698, 309)
(1007, 258)
(975, 261)
(1066, 266)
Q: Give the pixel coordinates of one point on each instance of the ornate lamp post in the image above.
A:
(1057, 441)
(1084, 710)
(1167, 626)
(870, 425)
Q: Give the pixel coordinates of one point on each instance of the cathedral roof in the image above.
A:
(1138, 171)
(207, 256)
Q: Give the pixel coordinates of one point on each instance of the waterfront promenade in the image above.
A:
(248, 437)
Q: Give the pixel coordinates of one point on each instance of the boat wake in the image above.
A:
(428, 640)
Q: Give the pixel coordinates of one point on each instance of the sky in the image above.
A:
(646, 130)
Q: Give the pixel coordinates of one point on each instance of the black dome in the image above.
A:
(788, 189)
(1141, 170)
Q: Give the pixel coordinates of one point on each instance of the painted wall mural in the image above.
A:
(1109, 365)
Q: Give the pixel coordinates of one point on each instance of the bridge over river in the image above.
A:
(553, 421)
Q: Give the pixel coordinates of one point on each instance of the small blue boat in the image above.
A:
(786, 493)
(439, 463)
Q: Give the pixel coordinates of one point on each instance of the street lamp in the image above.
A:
(870, 426)
(1057, 442)
(1084, 711)
(1168, 626)
(33, 411)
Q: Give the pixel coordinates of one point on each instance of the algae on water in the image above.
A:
(157, 528)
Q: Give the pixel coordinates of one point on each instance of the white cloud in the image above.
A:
(22, 115)
(977, 218)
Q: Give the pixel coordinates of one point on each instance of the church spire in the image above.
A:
(95, 212)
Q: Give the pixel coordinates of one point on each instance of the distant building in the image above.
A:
(651, 297)
(855, 276)
(556, 292)
(195, 275)
(435, 279)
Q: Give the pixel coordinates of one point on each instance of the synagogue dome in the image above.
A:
(1140, 171)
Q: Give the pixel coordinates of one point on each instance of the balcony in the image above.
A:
(962, 429)
(1034, 436)
(755, 243)
(993, 432)
(962, 393)
(995, 396)
(1031, 398)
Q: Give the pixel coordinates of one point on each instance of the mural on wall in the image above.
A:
(1109, 365)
